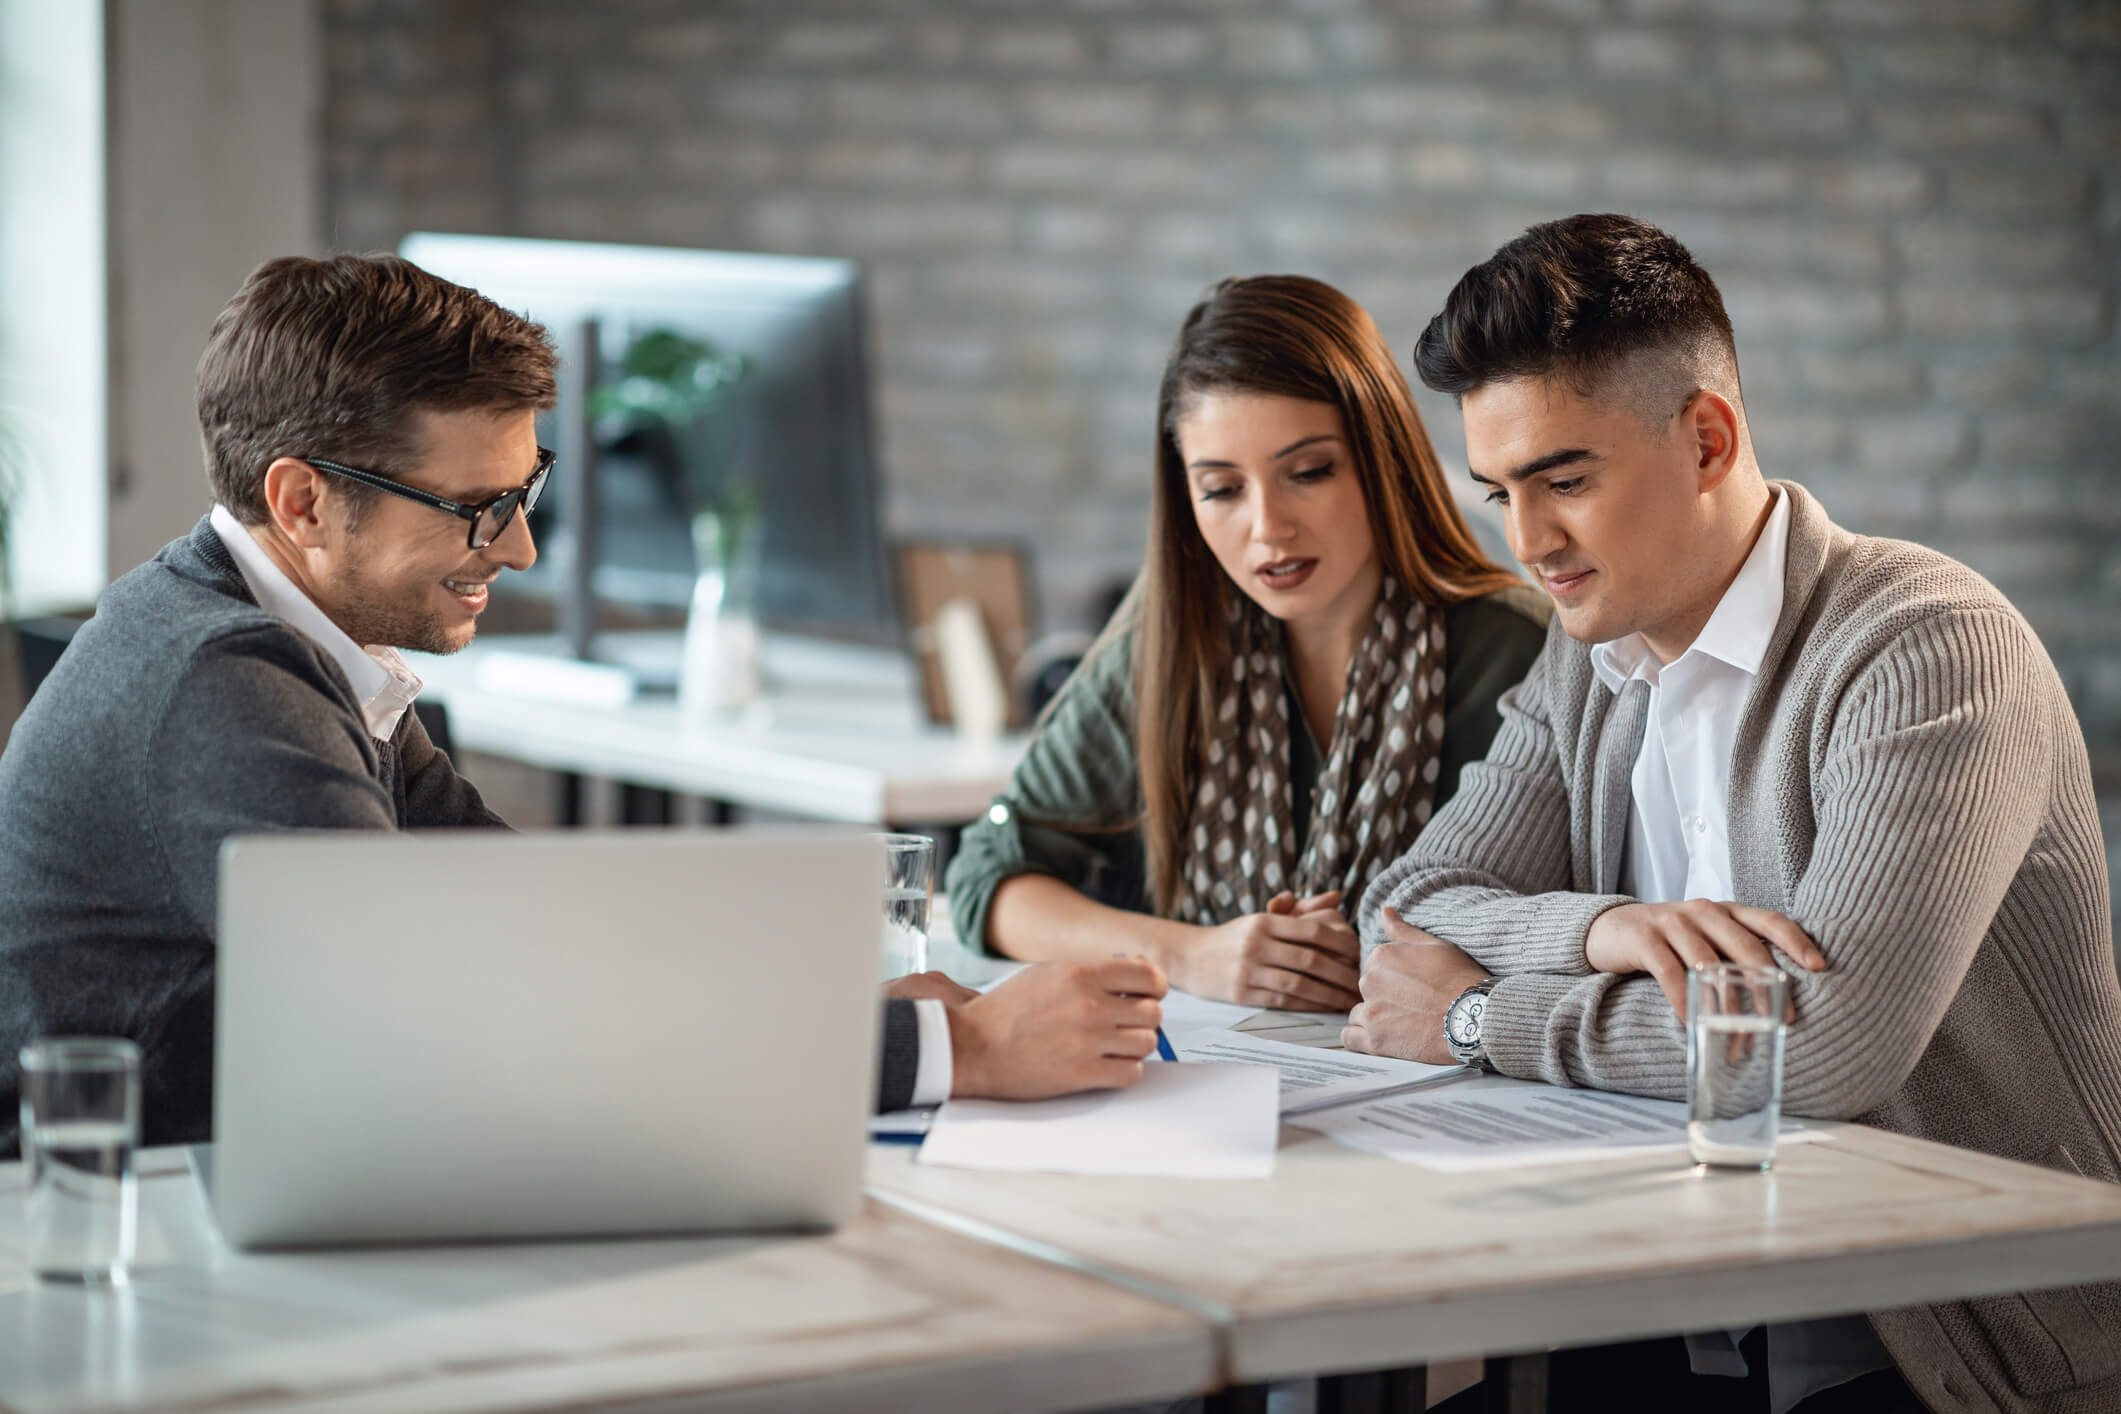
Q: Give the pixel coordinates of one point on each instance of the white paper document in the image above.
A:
(1320, 1030)
(1183, 1009)
(1177, 1121)
(1504, 1123)
(1311, 1078)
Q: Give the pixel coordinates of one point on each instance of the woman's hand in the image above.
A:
(1299, 955)
(1327, 902)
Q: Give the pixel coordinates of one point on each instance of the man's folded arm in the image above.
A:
(1602, 1032)
(1926, 803)
(1491, 871)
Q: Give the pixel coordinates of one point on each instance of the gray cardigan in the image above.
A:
(1911, 786)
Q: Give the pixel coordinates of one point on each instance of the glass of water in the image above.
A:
(1735, 1031)
(909, 885)
(80, 1125)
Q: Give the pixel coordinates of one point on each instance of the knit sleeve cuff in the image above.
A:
(1514, 1026)
(1547, 932)
(1509, 933)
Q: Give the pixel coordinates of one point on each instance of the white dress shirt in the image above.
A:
(1679, 847)
(932, 1077)
(381, 681)
(1679, 842)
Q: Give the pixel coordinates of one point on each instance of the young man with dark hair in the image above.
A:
(370, 441)
(1754, 735)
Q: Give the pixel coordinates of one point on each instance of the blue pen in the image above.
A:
(1163, 1046)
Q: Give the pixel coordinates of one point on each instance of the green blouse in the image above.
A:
(1080, 765)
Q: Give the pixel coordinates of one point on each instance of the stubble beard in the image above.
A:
(376, 617)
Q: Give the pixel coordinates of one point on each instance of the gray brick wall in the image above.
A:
(1913, 207)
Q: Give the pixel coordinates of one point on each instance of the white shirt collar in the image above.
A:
(1738, 632)
(380, 679)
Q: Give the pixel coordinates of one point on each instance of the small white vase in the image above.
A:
(719, 672)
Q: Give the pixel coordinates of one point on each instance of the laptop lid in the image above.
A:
(479, 1034)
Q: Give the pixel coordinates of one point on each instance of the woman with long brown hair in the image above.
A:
(1313, 651)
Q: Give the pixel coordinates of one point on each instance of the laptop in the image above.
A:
(475, 1034)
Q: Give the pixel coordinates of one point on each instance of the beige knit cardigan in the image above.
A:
(1911, 786)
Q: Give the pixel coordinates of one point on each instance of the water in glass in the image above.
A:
(83, 1200)
(1734, 1094)
(905, 932)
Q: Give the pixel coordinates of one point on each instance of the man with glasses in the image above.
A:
(369, 433)
(369, 439)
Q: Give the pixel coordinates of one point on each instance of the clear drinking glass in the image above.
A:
(909, 885)
(1736, 1026)
(80, 1125)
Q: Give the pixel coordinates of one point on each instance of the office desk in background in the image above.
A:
(839, 735)
(886, 1313)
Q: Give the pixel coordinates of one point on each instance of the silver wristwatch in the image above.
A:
(1462, 1028)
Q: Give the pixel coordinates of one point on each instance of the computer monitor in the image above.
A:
(798, 421)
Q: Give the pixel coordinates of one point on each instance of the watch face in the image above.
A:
(1462, 1026)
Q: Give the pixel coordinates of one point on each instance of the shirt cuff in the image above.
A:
(932, 1077)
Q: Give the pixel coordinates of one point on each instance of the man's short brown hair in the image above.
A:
(331, 358)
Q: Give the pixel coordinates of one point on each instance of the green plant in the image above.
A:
(681, 384)
(671, 377)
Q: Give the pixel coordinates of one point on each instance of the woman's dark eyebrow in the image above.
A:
(1298, 445)
(1568, 456)
(1303, 442)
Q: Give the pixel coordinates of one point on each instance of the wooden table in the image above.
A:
(1350, 1261)
(839, 735)
(886, 1313)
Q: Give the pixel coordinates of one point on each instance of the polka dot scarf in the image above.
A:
(1373, 795)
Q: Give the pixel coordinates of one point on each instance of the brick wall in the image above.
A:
(1913, 207)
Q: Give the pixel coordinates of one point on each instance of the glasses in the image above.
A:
(489, 518)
